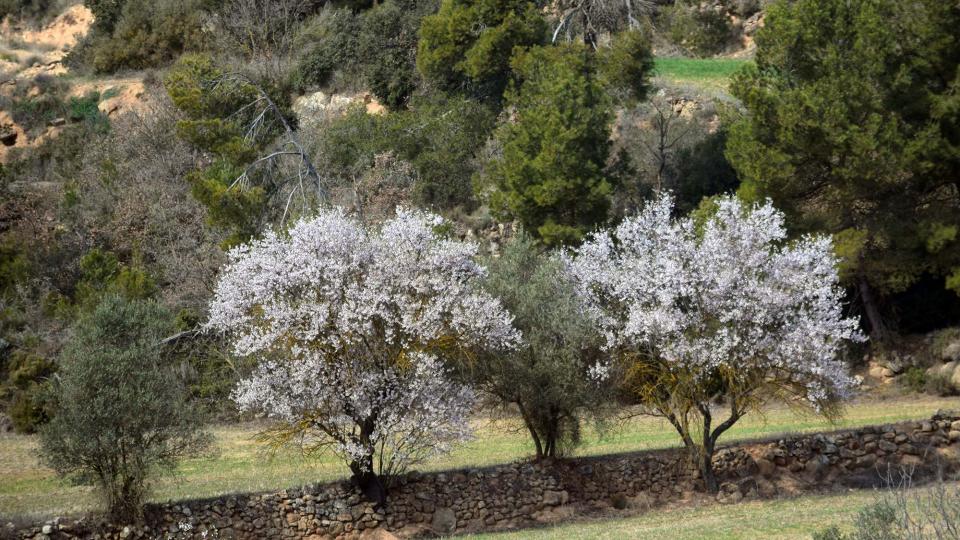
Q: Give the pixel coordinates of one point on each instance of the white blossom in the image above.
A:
(731, 294)
(352, 328)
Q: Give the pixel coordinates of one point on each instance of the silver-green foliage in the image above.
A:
(120, 413)
(547, 379)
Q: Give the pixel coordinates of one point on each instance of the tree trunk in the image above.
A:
(710, 483)
(878, 329)
(369, 482)
(552, 435)
(533, 431)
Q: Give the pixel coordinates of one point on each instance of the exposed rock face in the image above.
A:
(319, 106)
(523, 494)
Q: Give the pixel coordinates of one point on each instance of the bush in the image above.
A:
(388, 49)
(261, 27)
(467, 44)
(943, 339)
(940, 385)
(438, 136)
(106, 13)
(915, 378)
(377, 47)
(26, 378)
(627, 64)
(30, 10)
(546, 379)
(27, 409)
(121, 414)
(138, 34)
(703, 31)
(331, 45)
(701, 170)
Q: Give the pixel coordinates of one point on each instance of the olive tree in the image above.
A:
(723, 309)
(120, 413)
(547, 377)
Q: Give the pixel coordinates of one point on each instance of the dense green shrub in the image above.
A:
(703, 31)
(102, 273)
(467, 45)
(550, 175)
(330, 44)
(915, 378)
(547, 378)
(388, 49)
(121, 413)
(626, 65)
(14, 266)
(106, 13)
(702, 170)
(138, 34)
(30, 10)
(439, 136)
(24, 390)
(375, 48)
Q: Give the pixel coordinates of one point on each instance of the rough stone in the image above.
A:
(444, 521)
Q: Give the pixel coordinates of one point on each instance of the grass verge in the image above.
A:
(783, 519)
(28, 490)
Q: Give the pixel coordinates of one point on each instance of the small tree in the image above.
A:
(467, 44)
(354, 326)
(719, 310)
(547, 378)
(551, 174)
(120, 413)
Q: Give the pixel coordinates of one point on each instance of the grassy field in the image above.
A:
(30, 490)
(783, 519)
(699, 72)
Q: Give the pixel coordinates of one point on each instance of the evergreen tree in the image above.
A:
(468, 44)
(852, 129)
(555, 147)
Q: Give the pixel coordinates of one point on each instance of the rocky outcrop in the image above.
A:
(524, 494)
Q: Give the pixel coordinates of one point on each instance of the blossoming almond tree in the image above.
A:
(723, 310)
(352, 328)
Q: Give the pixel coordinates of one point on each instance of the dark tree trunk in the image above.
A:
(710, 483)
(369, 482)
(703, 455)
(878, 328)
(528, 422)
(551, 436)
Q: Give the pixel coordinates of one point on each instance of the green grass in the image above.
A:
(29, 490)
(709, 72)
(783, 519)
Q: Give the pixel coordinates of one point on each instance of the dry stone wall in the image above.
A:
(527, 493)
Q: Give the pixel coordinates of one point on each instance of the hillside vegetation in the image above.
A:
(360, 227)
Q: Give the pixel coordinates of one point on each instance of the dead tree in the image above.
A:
(588, 18)
(285, 168)
(668, 134)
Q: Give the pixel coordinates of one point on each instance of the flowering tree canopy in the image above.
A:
(726, 309)
(352, 328)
